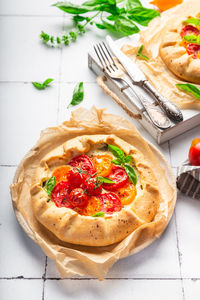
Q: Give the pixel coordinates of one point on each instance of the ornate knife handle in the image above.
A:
(170, 108)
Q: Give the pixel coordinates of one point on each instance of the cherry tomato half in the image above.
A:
(78, 198)
(127, 193)
(84, 163)
(60, 194)
(110, 202)
(75, 178)
(119, 176)
(61, 173)
(189, 30)
(92, 187)
(102, 164)
(194, 152)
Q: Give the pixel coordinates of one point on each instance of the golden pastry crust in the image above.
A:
(68, 225)
(176, 58)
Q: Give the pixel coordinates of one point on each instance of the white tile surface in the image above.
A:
(113, 289)
(192, 289)
(18, 289)
(19, 255)
(24, 112)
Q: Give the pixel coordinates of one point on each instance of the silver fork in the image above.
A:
(115, 71)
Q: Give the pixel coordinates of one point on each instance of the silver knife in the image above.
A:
(138, 78)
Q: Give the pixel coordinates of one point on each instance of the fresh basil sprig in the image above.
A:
(50, 185)
(139, 53)
(42, 86)
(99, 214)
(78, 95)
(190, 88)
(192, 38)
(193, 21)
(123, 160)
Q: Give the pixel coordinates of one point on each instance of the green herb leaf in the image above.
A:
(125, 26)
(99, 214)
(193, 21)
(78, 94)
(42, 86)
(118, 153)
(190, 88)
(131, 4)
(117, 162)
(131, 173)
(128, 159)
(190, 38)
(50, 185)
(47, 81)
(143, 15)
(139, 53)
(104, 179)
(71, 8)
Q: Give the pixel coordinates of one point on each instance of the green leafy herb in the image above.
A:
(126, 26)
(50, 185)
(78, 94)
(104, 179)
(192, 38)
(190, 88)
(42, 86)
(131, 4)
(193, 21)
(123, 160)
(99, 214)
(139, 53)
(143, 15)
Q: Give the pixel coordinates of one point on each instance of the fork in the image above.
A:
(114, 70)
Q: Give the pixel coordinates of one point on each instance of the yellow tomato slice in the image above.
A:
(92, 207)
(102, 164)
(127, 193)
(61, 173)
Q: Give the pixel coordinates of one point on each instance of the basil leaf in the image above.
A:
(71, 8)
(198, 40)
(131, 4)
(38, 85)
(193, 21)
(131, 174)
(190, 38)
(99, 214)
(78, 94)
(50, 185)
(116, 162)
(143, 15)
(47, 81)
(126, 26)
(118, 153)
(128, 159)
(190, 88)
(104, 179)
(78, 18)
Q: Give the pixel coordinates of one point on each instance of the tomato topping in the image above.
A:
(102, 164)
(92, 187)
(75, 178)
(60, 194)
(119, 176)
(61, 173)
(83, 163)
(194, 153)
(78, 198)
(127, 193)
(193, 49)
(110, 202)
(92, 207)
(189, 30)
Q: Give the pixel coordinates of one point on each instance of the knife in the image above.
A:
(138, 78)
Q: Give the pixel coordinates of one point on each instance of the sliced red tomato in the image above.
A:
(83, 163)
(92, 187)
(75, 178)
(189, 30)
(110, 202)
(60, 194)
(119, 176)
(78, 198)
(193, 49)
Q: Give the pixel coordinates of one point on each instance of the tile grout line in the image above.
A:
(44, 277)
(55, 81)
(10, 166)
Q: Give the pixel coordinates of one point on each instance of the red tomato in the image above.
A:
(84, 163)
(110, 202)
(78, 198)
(60, 194)
(193, 49)
(119, 176)
(92, 188)
(194, 153)
(188, 30)
(75, 179)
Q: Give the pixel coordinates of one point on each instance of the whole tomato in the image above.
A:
(194, 152)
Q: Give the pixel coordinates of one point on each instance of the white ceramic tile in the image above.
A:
(20, 256)
(24, 112)
(191, 289)
(23, 56)
(188, 216)
(19, 289)
(180, 146)
(113, 289)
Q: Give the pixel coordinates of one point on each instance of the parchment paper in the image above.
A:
(81, 260)
(155, 69)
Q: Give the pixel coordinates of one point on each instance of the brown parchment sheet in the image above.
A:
(155, 69)
(81, 260)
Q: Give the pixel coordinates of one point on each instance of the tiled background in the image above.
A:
(170, 267)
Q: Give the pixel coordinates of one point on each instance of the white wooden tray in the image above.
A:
(191, 117)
